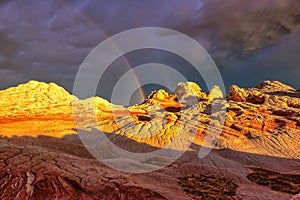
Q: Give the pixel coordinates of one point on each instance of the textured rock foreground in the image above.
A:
(42, 156)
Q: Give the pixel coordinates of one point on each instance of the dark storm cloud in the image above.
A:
(44, 39)
(8, 46)
(8, 50)
(280, 62)
(37, 38)
(47, 40)
(234, 28)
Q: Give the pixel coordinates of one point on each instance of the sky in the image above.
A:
(250, 41)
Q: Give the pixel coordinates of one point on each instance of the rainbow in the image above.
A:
(94, 25)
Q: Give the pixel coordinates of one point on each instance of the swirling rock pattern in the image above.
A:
(43, 158)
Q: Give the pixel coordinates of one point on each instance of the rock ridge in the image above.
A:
(42, 157)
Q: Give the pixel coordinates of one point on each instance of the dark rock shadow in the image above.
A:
(72, 145)
(285, 93)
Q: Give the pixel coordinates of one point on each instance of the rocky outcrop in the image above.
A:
(271, 108)
(38, 162)
(238, 94)
(31, 173)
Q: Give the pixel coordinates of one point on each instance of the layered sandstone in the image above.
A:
(43, 158)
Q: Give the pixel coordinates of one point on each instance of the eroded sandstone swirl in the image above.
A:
(42, 156)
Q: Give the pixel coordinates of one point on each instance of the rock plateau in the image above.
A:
(42, 156)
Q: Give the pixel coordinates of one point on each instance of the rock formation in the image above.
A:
(42, 156)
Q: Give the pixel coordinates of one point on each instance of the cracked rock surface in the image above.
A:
(42, 156)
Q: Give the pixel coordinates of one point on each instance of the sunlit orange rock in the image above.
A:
(42, 155)
(37, 108)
